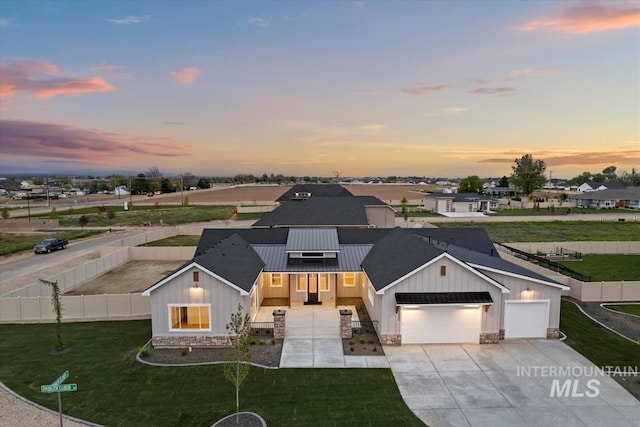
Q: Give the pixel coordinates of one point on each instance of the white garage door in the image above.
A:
(526, 319)
(441, 324)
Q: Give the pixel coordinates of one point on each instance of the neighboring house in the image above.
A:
(500, 191)
(420, 285)
(459, 202)
(307, 191)
(628, 198)
(121, 191)
(599, 186)
(316, 211)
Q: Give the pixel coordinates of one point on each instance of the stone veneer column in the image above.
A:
(345, 324)
(278, 324)
(553, 333)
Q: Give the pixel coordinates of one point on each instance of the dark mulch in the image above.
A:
(365, 341)
(244, 419)
(265, 351)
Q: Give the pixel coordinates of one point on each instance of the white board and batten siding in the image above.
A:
(223, 298)
(457, 279)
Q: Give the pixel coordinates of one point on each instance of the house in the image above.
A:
(628, 198)
(459, 202)
(316, 211)
(327, 205)
(419, 285)
(500, 191)
(598, 186)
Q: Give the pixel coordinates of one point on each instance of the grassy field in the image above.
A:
(625, 308)
(115, 390)
(12, 243)
(555, 231)
(607, 267)
(175, 241)
(141, 215)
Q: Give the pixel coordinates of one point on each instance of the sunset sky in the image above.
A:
(427, 88)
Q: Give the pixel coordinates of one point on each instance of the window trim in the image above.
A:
(279, 282)
(344, 280)
(298, 281)
(196, 276)
(443, 270)
(326, 276)
(172, 305)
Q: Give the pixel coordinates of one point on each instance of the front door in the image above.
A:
(312, 290)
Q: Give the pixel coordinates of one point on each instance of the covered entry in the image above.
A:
(526, 318)
(441, 317)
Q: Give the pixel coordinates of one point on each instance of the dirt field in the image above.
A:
(133, 277)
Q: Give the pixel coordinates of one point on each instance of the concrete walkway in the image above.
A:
(487, 385)
(312, 339)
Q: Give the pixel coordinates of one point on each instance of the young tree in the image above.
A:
(5, 213)
(110, 215)
(528, 174)
(471, 184)
(83, 220)
(237, 368)
(57, 307)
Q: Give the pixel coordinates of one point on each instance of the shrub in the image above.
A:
(370, 341)
(262, 342)
(5, 213)
(144, 351)
(352, 341)
(253, 341)
(362, 341)
(274, 342)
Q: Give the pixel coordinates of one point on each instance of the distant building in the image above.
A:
(598, 186)
(459, 202)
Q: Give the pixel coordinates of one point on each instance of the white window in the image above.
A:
(192, 317)
(349, 280)
(276, 280)
(324, 282)
(372, 296)
(301, 286)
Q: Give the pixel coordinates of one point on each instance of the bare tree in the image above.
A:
(153, 172)
(237, 368)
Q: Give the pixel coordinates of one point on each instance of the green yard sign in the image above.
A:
(58, 387)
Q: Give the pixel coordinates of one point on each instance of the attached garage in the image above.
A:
(431, 318)
(526, 318)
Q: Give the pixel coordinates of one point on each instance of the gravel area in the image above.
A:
(626, 325)
(18, 412)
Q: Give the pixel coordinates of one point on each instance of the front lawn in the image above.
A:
(602, 347)
(625, 308)
(607, 267)
(115, 390)
(555, 231)
(181, 240)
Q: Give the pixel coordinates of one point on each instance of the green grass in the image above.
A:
(175, 241)
(607, 267)
(12, 243)
(139, 215)
(249, 216)
(115, 390)
(602, 347)
(555, 231)
(558, 211)
(625, 308)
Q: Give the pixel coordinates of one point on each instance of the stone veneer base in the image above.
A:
(553, 333)
(390, 339)
(190, 341)
(489, 337)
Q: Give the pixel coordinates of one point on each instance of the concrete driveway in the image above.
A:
(508, 384)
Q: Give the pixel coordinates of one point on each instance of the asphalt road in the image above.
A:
(29, 263)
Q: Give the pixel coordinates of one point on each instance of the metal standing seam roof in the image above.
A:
(277, 260)
(426, 298)
(313, 240)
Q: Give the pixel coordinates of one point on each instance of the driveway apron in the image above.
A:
(488, 385)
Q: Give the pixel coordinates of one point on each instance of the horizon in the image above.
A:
(442, 89)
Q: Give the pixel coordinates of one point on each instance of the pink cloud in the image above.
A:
(56, 141)
(559, 158)
(45, 80)
(185, 76)
(493, 91)
(587, 18)
(421, 90)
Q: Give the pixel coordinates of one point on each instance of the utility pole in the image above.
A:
(181, 190)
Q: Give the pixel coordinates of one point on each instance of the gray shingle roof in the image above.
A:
(396, 254)
(316, 190)
(317, 211)
(234, 260)
(629, 193)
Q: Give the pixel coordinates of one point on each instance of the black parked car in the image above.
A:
(48, 245)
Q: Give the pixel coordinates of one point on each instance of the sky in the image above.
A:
(360, 88)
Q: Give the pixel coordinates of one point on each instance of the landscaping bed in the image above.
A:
(364, 341)
(264, 351)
